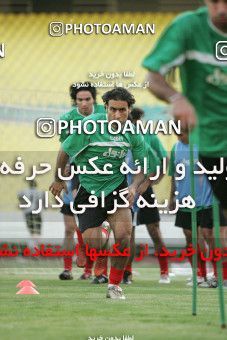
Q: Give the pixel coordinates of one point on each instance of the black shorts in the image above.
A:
(65, 210)
(94, 217)
(219, 185)
(204, 219)
(34, 222)
(148, 215)
(184, 219)
(207, 218)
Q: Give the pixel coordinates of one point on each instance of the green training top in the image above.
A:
(154, 142)
(189, 43)
(109, 148)
(75, 116)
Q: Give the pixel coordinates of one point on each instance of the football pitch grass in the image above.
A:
(78, 310)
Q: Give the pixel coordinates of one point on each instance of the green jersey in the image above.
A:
(74, 115)
(109, 148)
(154, 142)
(189, 43)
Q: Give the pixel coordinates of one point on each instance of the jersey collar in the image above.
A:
(215, 29)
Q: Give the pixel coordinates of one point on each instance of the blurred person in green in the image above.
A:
(195, 42)
(148, 216)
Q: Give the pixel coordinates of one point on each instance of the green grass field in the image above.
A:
(77, 309)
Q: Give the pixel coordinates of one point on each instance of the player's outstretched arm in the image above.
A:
(182, 109)
(58, 185)
(137, 180)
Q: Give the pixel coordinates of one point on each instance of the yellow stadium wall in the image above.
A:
(35, 62)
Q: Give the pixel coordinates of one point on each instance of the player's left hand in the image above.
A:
(143, 187)
(131, 195)
(57, 187)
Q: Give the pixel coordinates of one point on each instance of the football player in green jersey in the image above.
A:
(196, 43)
(83, 96)
(189, 43)
(112, 149)
(148, 216)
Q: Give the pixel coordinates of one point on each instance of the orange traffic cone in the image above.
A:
(27, 290)
(25, 283)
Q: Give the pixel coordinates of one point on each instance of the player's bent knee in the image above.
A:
(93, 238)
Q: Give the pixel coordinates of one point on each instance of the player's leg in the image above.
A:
(201, 249)
(101, 264)
(96, 238)
(68, 244)
(188, 239)
(92, 238)
(223, 234)
(127, 277)
(36, 222)
(201, 271)
(184, 221)
(121, 224)
(155, 234)
(206, 224)
(207, 228)
(150, 217)
(81, 258)
(32, 230)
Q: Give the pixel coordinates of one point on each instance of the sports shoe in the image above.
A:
(164, 278)
(210, 283)
(115, 292)
(66, 275)
(100, 279)
(200, 280)
(85, 276)
(172, 275)
(81, 258)
(127, 278)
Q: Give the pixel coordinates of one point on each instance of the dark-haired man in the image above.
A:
(83, 96)
(109, 148)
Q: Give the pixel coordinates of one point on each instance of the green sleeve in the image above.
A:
(170, 48)
(140, 150)
(75, 144)
(172, 162)
(157, 146)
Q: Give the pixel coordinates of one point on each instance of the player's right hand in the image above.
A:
(183, 110)
(57, 187)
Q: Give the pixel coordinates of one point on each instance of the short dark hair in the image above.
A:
(119, 93)
(81, 86)
(136, 113)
